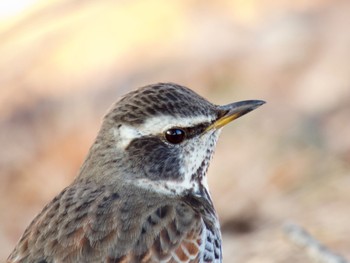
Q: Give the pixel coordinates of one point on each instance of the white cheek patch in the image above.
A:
(195, 159)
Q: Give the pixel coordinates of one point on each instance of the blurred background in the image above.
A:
(63, 63)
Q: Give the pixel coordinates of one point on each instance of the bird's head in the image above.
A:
(161, 137)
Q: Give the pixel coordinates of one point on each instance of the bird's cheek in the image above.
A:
(191, 157)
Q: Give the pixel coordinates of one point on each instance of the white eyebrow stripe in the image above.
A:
(160, 124)
(126, 134)
(153, 126)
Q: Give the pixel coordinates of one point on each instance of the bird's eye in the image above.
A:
(175, 135)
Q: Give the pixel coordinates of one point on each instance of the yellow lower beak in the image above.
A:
(233, 111)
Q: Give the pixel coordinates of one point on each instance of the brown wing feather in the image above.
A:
(89, 224)
(68, 226)
(170, 234)
(183, 248)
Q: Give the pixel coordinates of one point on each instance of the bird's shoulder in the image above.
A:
(87, 222)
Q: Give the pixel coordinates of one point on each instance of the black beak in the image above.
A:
(233, 111)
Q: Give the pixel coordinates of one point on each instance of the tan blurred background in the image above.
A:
(62, 64)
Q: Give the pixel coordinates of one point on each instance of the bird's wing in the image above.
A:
(167, 247)
(89, 224)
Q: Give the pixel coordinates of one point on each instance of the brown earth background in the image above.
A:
(63, 63)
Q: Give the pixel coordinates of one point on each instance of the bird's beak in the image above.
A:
(233, 111)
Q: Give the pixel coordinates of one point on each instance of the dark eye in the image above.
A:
(175, 135)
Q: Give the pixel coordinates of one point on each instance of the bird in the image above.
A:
(141, 195)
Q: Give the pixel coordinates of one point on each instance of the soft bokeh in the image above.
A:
(64, 62)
